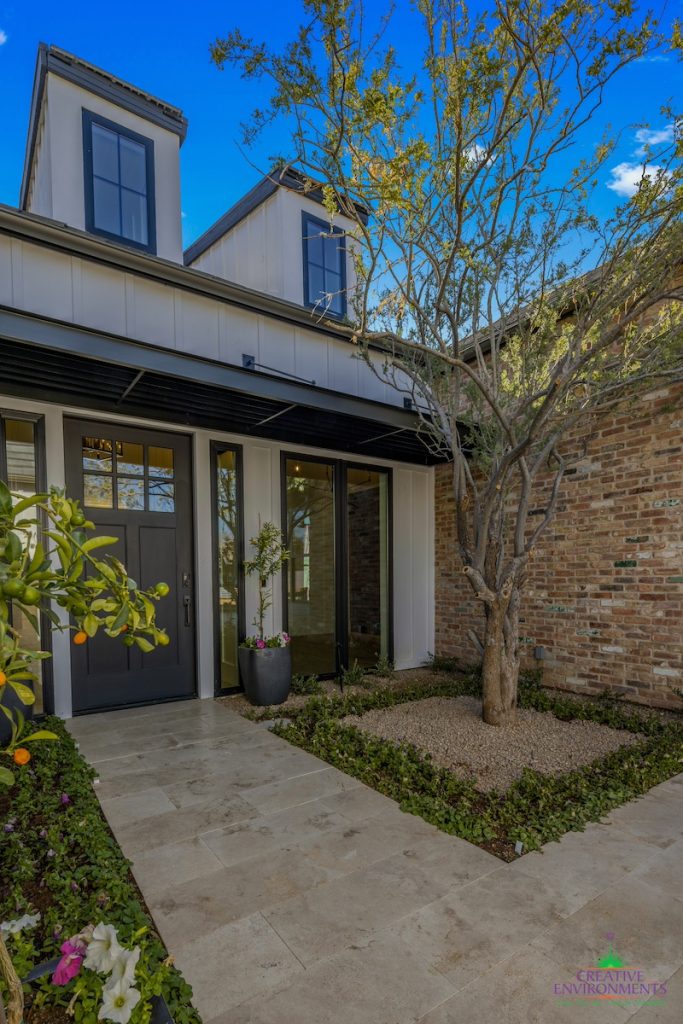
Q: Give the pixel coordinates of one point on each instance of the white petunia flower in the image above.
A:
(124, 968)
(118, 1003)
(14, 927)
(103, 949)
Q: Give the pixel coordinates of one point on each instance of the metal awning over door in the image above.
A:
(57, 362)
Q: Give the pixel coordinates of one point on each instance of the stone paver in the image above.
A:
(288, 891)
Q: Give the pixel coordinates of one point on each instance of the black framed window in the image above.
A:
(337, 583)
(119, 183)
(22, 467)
(324, 266)
(228, 555)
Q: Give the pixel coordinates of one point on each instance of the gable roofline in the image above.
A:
(279, 177)
(51, 59)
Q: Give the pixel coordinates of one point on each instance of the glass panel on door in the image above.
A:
(228, 555)
(367, 514)
(311, 569)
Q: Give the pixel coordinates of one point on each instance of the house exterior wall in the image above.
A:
(264, 250)
(605, 591)
(65, 287)
(413, 537)
(57, 187)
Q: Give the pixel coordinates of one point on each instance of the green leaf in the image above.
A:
(33, 499)
(91, 624)
(144, 645)
(6, 776)
(98, 542)
(24, 693)
(42, 734)
(121, 619)
(5, 499)
(13, 547)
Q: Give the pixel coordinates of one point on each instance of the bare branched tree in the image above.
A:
(505, 307)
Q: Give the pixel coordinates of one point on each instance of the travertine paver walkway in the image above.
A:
(289, 893)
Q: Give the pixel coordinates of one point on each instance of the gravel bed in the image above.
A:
(452, 731)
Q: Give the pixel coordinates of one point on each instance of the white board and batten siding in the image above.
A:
(76, 290)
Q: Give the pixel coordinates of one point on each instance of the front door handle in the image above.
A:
(187, 601)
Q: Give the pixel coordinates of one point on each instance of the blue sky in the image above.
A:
(163, 48)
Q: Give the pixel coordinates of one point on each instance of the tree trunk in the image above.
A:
(500, 669)
(15, 1004)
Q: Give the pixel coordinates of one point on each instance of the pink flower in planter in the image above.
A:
(70, 964)
(260, 644)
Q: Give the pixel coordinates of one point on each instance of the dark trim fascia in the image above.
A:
(89, 119)
(53, 334)
(265, 188)
(42, 231)
(99, 83)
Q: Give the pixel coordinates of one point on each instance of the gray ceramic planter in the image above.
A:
(266, 674)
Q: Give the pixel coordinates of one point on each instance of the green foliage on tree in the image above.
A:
(488, 289)
(49, 559)
(270, 554)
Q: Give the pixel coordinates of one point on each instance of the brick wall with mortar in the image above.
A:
(605, 591)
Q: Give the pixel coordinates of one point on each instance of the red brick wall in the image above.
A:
(605, 590)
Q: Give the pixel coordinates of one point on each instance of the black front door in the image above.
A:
(136, 485)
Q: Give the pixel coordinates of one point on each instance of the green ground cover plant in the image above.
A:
(537, 808)
(61, 862)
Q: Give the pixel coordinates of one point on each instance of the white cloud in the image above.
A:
(3, 37)
(476, 154)
(656, 58)
(626, 177)
(653, 137)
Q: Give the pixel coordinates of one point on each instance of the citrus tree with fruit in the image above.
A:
(49, 560)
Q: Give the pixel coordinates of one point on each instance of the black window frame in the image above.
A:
(340, 469)
(216, 448)
(307, 220)
(38, 421)
(89, 119)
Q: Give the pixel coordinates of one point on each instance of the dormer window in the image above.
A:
(324, 267)
(119, 183)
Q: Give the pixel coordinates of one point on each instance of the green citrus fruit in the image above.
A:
(14, 588)
(162, 589)
(163, 639)
(31, 596)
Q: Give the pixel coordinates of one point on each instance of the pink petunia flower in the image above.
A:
(260, 644)
(70, 964)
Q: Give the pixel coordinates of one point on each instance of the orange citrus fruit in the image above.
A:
(3, 678)
(80, 637)
(22, 755)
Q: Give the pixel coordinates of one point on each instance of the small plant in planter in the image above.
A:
(266, 661)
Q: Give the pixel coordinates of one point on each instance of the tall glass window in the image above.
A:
(19, 461)
(228, 558)
(119, 182)
(324, 266)
(367, 520)
(338, 593)
(311, 569)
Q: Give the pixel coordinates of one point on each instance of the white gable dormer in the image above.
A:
(278, 239)
(103, 156)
